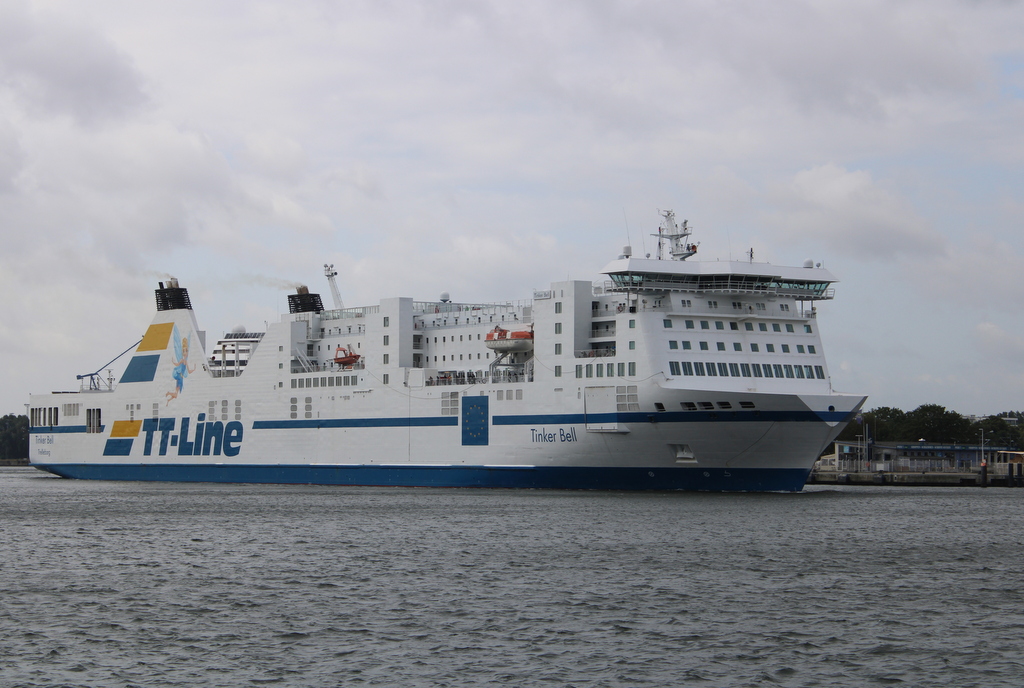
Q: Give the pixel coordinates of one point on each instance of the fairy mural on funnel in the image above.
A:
(181, 368)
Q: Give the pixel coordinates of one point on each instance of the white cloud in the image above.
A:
(852, 215)
(485, 148)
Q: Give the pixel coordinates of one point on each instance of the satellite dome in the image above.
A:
(445, 297)
(238, 329)
(809, 263)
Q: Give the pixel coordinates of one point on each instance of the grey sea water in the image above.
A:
(146, 584)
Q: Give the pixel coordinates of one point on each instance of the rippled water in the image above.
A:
(147, 584)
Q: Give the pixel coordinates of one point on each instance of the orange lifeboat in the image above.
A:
(345, 357)
(500, 339)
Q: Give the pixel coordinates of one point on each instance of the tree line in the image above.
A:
(934, 423)
(13, 437)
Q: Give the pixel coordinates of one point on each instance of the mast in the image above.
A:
(679, 247)
(331, 273)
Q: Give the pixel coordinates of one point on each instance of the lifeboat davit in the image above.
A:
(345, 357)
(502, 340)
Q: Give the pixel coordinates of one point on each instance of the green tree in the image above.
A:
(884, 424)
(934, 423)
(997, 433)
(14, 437)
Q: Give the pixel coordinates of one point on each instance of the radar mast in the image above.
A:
(679, 247)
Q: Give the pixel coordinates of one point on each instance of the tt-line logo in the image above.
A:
(209, 437)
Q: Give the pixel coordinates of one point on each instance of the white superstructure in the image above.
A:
(672, 374)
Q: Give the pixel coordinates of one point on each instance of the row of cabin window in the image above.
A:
(602, 370)
(331, 381)
(738, 346)
(733, 325)
(700, 369)
(444, 359)
(737, 305)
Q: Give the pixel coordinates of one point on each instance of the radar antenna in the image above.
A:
(331, 273)
(679, 246)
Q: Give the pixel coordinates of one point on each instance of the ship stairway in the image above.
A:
(305, 365)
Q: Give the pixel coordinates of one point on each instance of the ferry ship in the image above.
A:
(671, 374)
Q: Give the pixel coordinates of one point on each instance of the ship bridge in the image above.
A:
(808, 283)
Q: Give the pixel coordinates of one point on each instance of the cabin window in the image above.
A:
(632, 369)
(810, 348)
(611, 370)
(776, 328)
(698, 368)
(558, 349)
(723, 370)
(689, 324)
(734, 369)
(788, 370)
(736, 346)
(686, 346)
(721, 346)
(749, 326)
(590, 370)
(93, 420)
(719, 325)
(558, 328)
(673, 368)
(799, 348)
(734, 326)
(770, 348)
(762, 326)
(687, 368)
(745, 369)
(558, 306)
(387, 321)
(756, 367)
(622, 370)
(703, 346)
(789, 327)
(387, 359)
(754, 348)
(819, 372)
(632, 324)
(558, 371)
(579, 371)
(673, 345)
(785, 348)
(667, 323)
(385, 378)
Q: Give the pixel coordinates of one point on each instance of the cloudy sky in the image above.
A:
(489, 148)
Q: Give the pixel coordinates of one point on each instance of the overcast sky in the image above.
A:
(489, 148)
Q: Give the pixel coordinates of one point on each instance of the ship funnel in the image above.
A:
(304, 302)
(170, 296)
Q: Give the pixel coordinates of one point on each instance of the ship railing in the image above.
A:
(603, 331)
(342, 313)
(478, 378)
(594, 353)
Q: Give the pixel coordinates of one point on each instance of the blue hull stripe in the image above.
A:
(675, 417)
(571, 478)
(563, 419)
(53, 429)
(355, 423)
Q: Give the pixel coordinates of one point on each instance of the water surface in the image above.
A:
(163, 584)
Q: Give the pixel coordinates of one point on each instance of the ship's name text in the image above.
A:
(562, 435)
